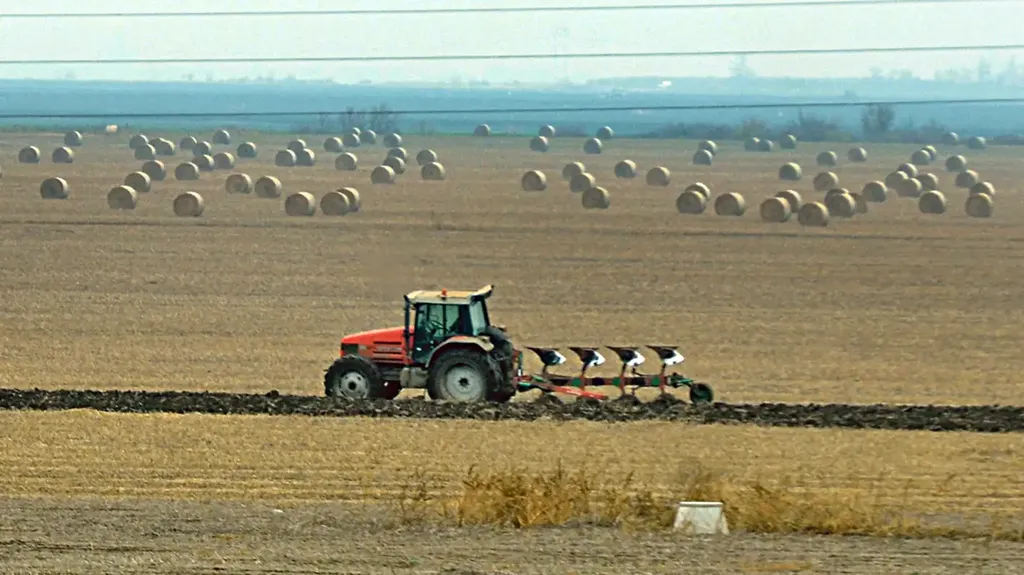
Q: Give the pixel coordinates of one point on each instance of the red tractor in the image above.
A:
(447, 346)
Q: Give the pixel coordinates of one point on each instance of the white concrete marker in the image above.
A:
(701, 518)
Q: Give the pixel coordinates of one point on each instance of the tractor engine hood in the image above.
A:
(392, 335)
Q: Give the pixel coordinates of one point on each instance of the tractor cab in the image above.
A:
(432, 318)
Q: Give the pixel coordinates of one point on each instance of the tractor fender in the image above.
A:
(460, 342)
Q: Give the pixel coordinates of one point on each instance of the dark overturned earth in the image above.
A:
(989, 419)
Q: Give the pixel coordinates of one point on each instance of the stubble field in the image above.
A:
(892, 306)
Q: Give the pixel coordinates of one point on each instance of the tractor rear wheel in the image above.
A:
(355, 377)
(465, 376)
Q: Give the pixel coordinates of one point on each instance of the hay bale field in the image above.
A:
(247, 298)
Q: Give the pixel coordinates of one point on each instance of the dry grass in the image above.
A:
(771, 480)
(765, 312)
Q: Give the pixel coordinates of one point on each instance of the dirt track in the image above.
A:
(991, 419)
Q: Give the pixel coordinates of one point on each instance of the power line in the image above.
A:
(505, 10)
(534, 56)
(496, 111)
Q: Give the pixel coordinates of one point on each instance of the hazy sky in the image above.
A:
(971, 22)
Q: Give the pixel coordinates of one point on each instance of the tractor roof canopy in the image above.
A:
(449, 297)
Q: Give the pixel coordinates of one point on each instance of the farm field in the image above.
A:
(892, 306)
(88, 492)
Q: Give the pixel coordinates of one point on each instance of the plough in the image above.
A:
(448, 346)
(628, 376)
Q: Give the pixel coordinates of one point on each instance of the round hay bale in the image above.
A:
(765, 145)
(224, 161)
(791, 171)
(792, 198)
(186, 172)
(483, 130)
(202, 148)
(730, 204)
(596, 198)
(825, 181)
(929, 181)
(858, 155)
(433, 171)
(534, 181)
(395, 163)
(424, 157)
(334, 146)
(189, 205)
(399, 153)
(909, 188)
(351, 140)
(392, 140)
(300, 204)
(860, 201)
(267, 187)
(539, 144)
(979, 206)
(63, 155)
(222, 138)
(122, 198)
(956, 163)
(626, 169)
(751, 144)
(931, 151)
(204, 163)
(147, 152)
(188, 142)
(139, 181)
(909, 169)
(876, 192)
(546, 132)
(383, 175)
(73, 139)
(334, 203)
(29, 155)
(701, 188)
(54, 189)
(296, 145)
(285, 159)
(775, 210)
(305, 158)
(247, 150)
(932, 202)
(163, 147)
(238, 184)
(605, 133)
(346, 162)
(841, 205)
(977, 143)
(788, 142)
(921, 158)
(814, 214)
(582, 182)
(967, 179)
(984, 188)
(155, 169)
(703, 158)
(137, 141)
(828, 158)
(356, 130)
(835, 192)
(691, 202)
(951, 138)
(572, 169)
(355, 203)
(709, 146)
(368, 137)
(592, 146)
(893, 180)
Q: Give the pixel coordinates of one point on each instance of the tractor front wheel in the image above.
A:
(464, 376)
(355, 377)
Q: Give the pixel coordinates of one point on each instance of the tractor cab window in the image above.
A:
(477, 317)
(437, 322)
